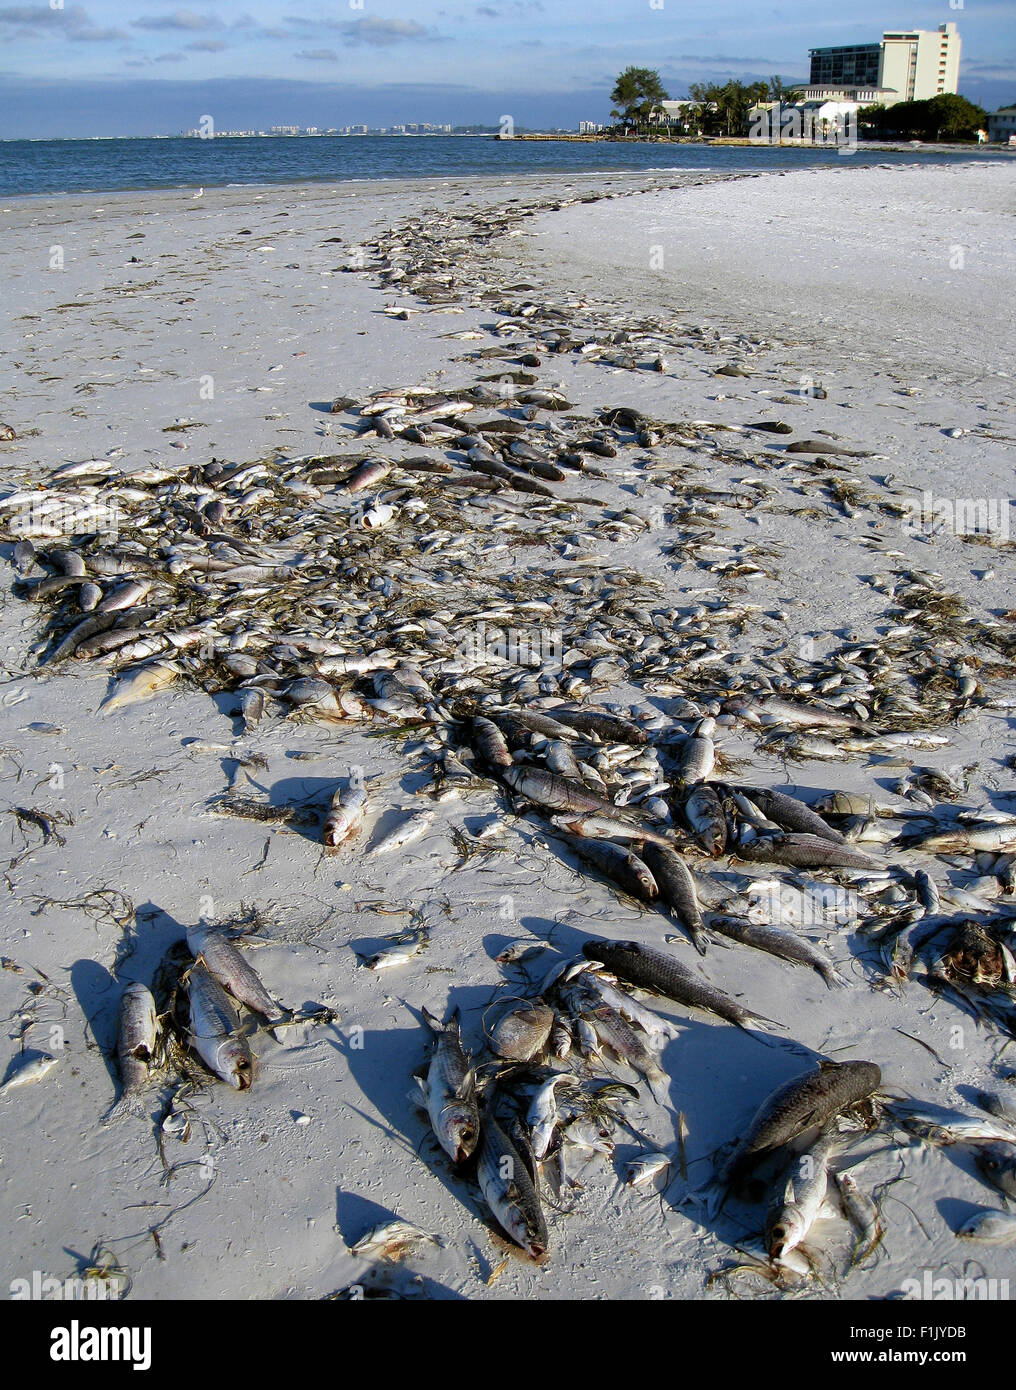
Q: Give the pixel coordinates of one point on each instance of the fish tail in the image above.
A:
(659, 1084)
(129, 1104)
(756, 1020)
(834, 980)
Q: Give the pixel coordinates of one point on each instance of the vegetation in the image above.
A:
(638, 97)
(722, 109)
(947, 117)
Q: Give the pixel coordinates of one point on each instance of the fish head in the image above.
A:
(463, 1133)
(529, 1233)
(786, 1232)
(992, 1159)
(236, 1065)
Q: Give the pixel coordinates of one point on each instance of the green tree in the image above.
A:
(955, 118)
(945, 117)
(725, 109)
(638, 94)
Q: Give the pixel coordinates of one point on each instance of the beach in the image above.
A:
(869, 308)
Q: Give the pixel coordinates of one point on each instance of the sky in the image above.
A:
(145, 67)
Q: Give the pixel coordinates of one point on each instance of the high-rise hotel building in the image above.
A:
(913, 64)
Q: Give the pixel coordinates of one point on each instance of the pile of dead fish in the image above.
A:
(639, 834)
(202, 985)
(438, 576)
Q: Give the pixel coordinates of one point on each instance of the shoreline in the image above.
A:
(924, 154)
(758, 564)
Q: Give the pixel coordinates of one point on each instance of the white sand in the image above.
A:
(845, 274)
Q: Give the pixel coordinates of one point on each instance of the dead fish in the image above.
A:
(777, 942)
(990, 1228)
(560, 793)
(213, 948)
(399, 953)
(543, 1115)
(660, 1029)
(812, 1098)
(776, 711)
(407, 830)
(611, 728)
(625, 869)
(560, 759)
(393, 1241)
(509, 1187)
(124, 596)
(367, 474)
(449, 1090)
(863, 1214)
(523, 1031)
(790, 813)
(986, 835)
(803, 851)
(594, 827)
(614, 1034)
(824, 446)
(644, 1169)
(490, 744)
(677, 890)
(802, 1198)
(854, 804)
(940, 1125)
(704, 813)
(530, 720)
(771, 427)
(214, 1031)
(141, 684)
(997, 1162)
(136, 1040)
(29, 1072)
(697, 756)
(664, 974)
(23, 557)
(252, 707)
(346, 813)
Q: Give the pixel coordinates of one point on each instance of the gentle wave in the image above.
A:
(61, 167)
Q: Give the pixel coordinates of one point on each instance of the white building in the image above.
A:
(907, 65)
(1002, 125)
(852, 96)
(682, 113)
(921, 63)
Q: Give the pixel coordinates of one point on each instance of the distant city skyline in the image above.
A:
(137, 67)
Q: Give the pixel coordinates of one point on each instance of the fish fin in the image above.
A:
(467, 1086)
(432, 1020)
(519, 1136)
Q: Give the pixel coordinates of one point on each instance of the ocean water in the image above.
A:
(80, 166)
